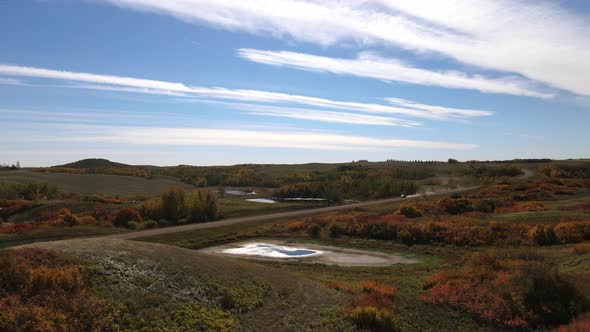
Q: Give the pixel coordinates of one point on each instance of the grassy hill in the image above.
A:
(94, 163)
(142, 277)
(106, 184)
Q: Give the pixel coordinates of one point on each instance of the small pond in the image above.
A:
(271, 250)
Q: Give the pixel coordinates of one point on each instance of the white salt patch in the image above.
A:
(271, 250)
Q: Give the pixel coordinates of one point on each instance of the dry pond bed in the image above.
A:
(307, 253)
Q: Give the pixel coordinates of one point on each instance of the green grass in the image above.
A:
(537, 217)
(411, 314)
(207, 237)
(96, 183)
(232, 207)
(55, 234)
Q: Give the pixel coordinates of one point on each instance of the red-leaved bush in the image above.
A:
(515, 292)
(42, 290)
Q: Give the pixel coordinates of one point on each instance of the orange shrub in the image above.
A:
(124, 216)
(372, 308)
(67, 279)
(296, 226)
(88, 220)
(42, 290)
(371, 318)
(510, 292)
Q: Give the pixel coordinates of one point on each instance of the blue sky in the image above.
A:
(226, 82)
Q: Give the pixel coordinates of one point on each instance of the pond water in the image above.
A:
(271, 250)
(262, 200)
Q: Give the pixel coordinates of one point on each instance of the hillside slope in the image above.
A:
(292, 303)
(94, 163)
(106, 184)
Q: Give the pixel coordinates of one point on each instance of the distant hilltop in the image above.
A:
(94, 163)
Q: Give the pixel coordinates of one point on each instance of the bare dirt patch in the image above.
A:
(327, 255)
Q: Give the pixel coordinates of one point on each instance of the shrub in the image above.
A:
(552, 300)
(371, 318)
(372, 309)
(241, 297)
(542, 235)
(70, 219)
(124, 216)
(102, 215)
(335, 229)
(297, 226)
(190, 317)
(387, 291)
(572, 232)
(88, 220)
(410, 211)
(314, 230)
(151, 209)
(486, 206)
(510, 292)
(150, 224)
(42, 290)
(132, 225)
(454, 206)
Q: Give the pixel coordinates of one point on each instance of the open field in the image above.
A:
(105, 184)
(280, 215)
(509, 242)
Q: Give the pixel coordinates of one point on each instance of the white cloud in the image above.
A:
(10, 81)
(539, 40)
(91, 78)
(156, 136)
(323, 116)
(136, 85)
(373, 66)
(437, 109)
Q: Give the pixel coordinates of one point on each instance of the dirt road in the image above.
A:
(234, 221)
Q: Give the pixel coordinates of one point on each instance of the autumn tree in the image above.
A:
(201, 205)
(124, 216)
(173, 203)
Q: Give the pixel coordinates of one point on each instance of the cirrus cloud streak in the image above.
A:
(540, 40)
(174, 136)
(138, 85)
(372, 66)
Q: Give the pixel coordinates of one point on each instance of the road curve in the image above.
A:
(241, 220)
